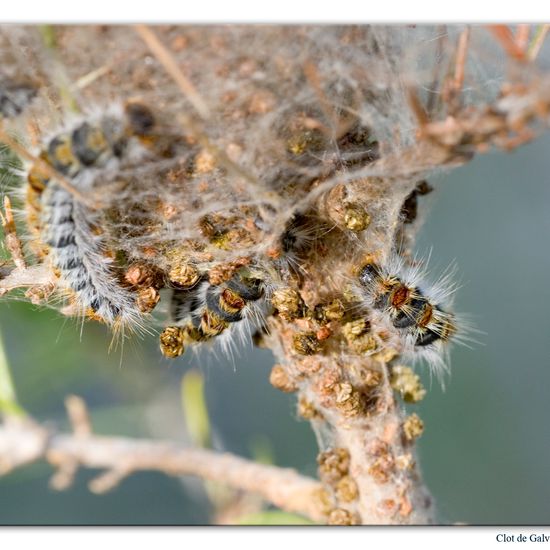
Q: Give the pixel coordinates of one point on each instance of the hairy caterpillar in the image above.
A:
(421, 313)
(207, 311)
(86, 152)
(296, 241)
(15, 96)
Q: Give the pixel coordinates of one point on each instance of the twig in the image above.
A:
(461, 54)
(78, 416)
(22, 441)
(506, 38)
(522, 36)
(417, 108)
(63, 478)
(452, 88)
(10, 235)
(168, 62)
(537, 43)
(108, 480)
(40, 277)
(433, 93)
(87, 79)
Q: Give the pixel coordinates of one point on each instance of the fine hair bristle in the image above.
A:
(420, 312)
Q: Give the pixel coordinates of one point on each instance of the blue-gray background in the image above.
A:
(486, 447)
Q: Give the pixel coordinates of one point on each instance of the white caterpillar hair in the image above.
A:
(80, 256)
(188, 306)
(426, 323)
(100, 145)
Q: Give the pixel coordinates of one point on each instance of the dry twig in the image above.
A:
(538, 42)
(506, 39)
(522, 36)
(10, 235)
(22, 441)
(39, 279)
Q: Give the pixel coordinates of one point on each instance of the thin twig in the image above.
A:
(454, 81)
(38, 278)
(172, 68)
(90, 77)
(461, 55)
(433, 93)
(417, 108)
(63, 478)
(13, 244)
(506, 39)
(538, 41)
(522, 36)
(78, 416)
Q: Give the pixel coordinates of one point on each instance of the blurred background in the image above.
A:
(486, 446)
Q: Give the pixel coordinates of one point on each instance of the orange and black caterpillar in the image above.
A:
(421, 313)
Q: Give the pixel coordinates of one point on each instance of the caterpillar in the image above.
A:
(206, 311)
(101, 142)
(296, 241)
(77, 249)
(420, 313)
(15, 96)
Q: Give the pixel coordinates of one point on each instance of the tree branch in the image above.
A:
(23, 441)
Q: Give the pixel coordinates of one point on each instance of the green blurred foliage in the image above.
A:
(8, 399)
(195, 409)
